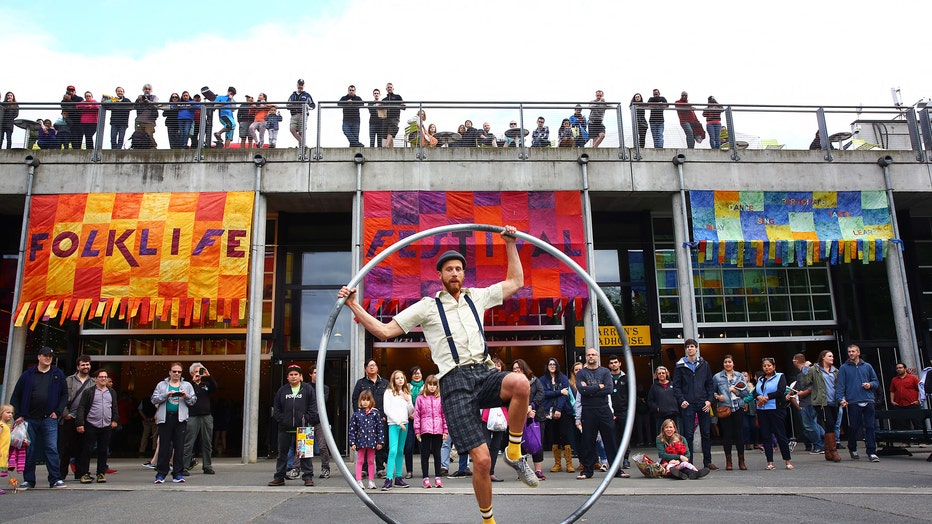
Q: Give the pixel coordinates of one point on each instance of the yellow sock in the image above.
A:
(487, 517)
(514, 446)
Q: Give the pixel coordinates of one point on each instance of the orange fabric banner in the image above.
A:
(124, 254)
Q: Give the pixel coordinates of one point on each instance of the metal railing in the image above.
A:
(877, 127)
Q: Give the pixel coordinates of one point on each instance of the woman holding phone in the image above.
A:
(172, 397)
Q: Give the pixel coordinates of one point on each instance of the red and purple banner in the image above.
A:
(410, 273)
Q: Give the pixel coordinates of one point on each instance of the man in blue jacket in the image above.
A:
(693, 389)
(857, 383)
(39, 398)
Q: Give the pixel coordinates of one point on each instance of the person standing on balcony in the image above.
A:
(578, 124)
(377, 115)
(596, 114)
(119, 107)
(657, 106)
(147, 113)
(72, 115)
(641, 123)
(688, 121)
(713, 122)
(351, 102)
(300, 110)
(226, 118)
(395, 105)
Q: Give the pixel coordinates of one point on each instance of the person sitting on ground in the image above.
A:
(674, 455)
(566, 134)
(47, 135)
(486, 137)
(541, 135)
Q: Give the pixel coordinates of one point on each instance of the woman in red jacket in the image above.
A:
(88, 110)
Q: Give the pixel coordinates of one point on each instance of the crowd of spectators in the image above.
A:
(254, 117)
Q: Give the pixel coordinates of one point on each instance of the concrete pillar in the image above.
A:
(254, 334)
(16, 352)
(902, 316)
(684, 269)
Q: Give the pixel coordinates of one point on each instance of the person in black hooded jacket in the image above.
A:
(295, 405)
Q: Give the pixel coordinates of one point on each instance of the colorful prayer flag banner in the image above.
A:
(410, 273)
(175, 256)
(759, 227)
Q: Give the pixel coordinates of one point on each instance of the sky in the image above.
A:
(789, 53)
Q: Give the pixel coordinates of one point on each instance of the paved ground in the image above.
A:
(897, 488)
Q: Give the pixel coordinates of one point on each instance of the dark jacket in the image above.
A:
(620, 394)
(537, 399)
(661, 400)
(553, 398)
(694, 387)
(203, 389)
(377, 388)
(850, 378)
(84, 405)
(57, 393)
(294, 410)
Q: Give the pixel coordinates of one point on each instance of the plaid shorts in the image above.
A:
(465, 391)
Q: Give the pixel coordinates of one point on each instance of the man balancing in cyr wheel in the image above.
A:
(469, 382)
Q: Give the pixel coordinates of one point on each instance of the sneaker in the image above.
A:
(111, 471)
(26, 485)
(444, 472)
(193, 464)
(400, 482)
(854, 455)
(309, 481)
(387, 485)
(873, 458)
(371, 485)
(101, 478)
(626, 464)
(408, 476)
(438, 483)
(149, 465)
(525, 472)
(603, 467)
(276, 482)
(362, 485)
(540, 475)
(698, 474)
(292, 474)
(86, 479)
(458, 475)
(179, 479)
(678, 474)
(160, 479)
(792, 445)
(325, 473)
(57, 484)
(209, 471)
(185, 473)
(426, 483)
(817, 451)
(72, 467)
(380, 474)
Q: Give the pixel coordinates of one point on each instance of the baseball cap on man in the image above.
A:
(450, 255)
(300, 81)
(293, 367)
(45, 350)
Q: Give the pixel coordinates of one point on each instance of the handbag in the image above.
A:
(531, 437)
(497, 420)
(19, 436)
(722, 411)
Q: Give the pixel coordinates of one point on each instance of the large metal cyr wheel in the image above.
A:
(543, 246)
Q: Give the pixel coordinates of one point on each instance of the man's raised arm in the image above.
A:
(380, 330)
(514, 279)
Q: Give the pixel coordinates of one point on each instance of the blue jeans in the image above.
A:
(812, 431)
(861, 417)
(351, 132)
(117, 135)
(43, 433)
(656, 131)
(715, 135)
(690, 138)
(688, 416)
(184, 131)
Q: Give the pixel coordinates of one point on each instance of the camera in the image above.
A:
(202, 371)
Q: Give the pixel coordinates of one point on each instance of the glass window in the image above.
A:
(326, 268)
(606, 266)
(316, 306)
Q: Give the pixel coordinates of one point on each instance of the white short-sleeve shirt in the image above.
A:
(470, 344)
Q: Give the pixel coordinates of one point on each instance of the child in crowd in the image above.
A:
(674, 456)
(366, 435)
(6, 426)
(430, 428)
(398, 407)
(271, 124)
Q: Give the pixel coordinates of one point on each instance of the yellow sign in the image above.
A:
(608, 336)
